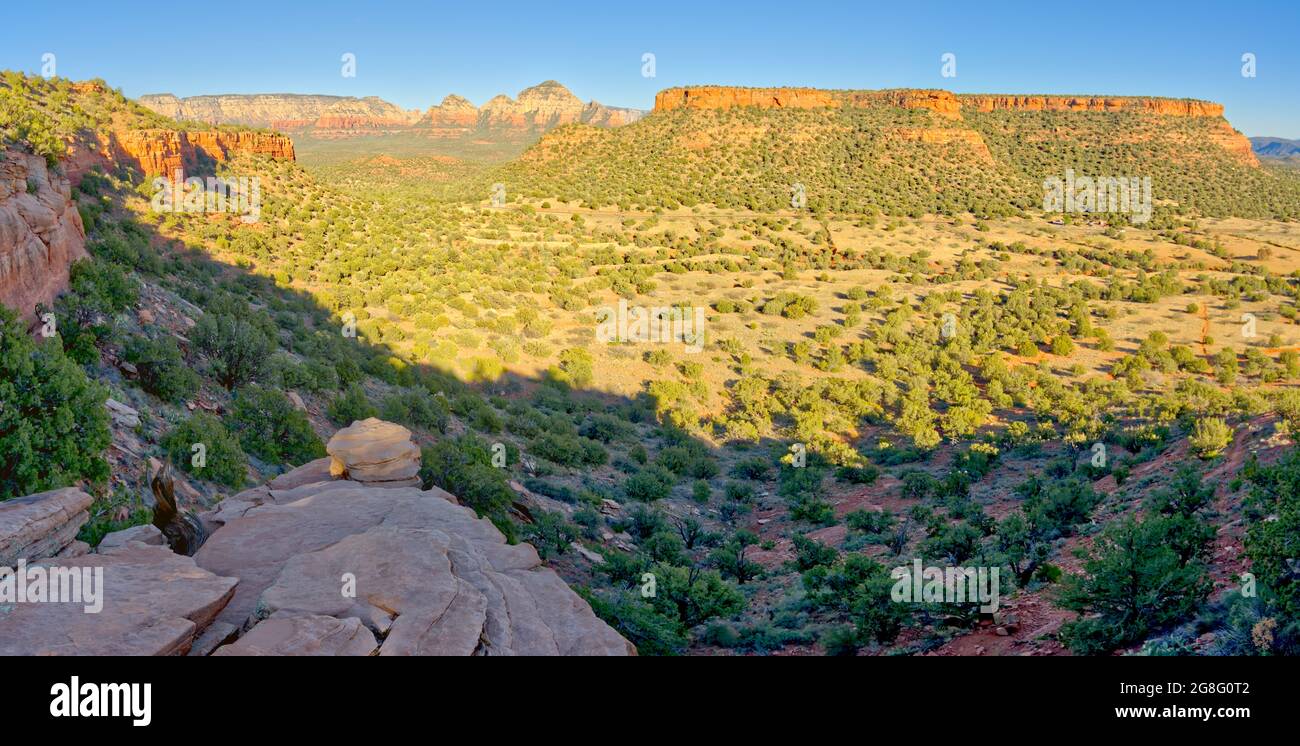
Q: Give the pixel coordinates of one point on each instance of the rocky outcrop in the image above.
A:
(940, 136)
(609, 116)
(1163, 106)
(727, 97)
(305, 565)
(374, 452)
(947, 105)
(39, 526)
(154, 602)
(304, 634)
(535, 110)
(369, 113)
(274, 110)
(425, 576)
(157, 152)
(41, 233)
(547, 106)
(942, 103)
(454, 117)
(428, 577)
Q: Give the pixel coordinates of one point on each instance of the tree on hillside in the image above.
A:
(236, 350)
(1134, 583)
(53, 424)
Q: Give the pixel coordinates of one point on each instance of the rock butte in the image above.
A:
(949, 106)
(940, 101)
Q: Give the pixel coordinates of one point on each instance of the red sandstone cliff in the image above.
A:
(944, 103)
(725, 97)
(1164, 106)
(40, 232)
(162, 152)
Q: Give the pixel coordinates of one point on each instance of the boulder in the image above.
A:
(122, 415)
(424, 574)
(147, 534)
(155, 602)
(41, 525)
(374, 451)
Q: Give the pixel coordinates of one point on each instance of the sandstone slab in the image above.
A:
(287, 634)
(146, 534)
(41, 525)
(155, 602)
(428, 575)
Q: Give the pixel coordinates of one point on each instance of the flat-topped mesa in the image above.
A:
(942, 103)
(1165, 106)
(726, 97)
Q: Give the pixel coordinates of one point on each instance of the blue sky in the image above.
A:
(414, 53)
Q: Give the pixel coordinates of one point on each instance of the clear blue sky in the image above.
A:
(414, 53)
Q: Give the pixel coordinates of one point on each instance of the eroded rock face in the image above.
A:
(41, 233)
(1165, 106)
(155, 602)
(43, 525)
(727, 97)
(453, 117)
(163, 152)
(374, 451)
(431, 578)
(535, 110)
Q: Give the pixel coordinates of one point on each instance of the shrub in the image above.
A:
(223, 461)
(417, 408)
(650, 484)
(161, 368)
(272, 429)
(575, 367)
(1210, 437)
(1135, 582)
(236, 350)
(53, 424)
(463, 467)
(350, 406)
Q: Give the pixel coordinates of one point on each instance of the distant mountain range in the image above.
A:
(1276, 148)
(537, 109)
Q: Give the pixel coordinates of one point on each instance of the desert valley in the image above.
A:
(787, 371)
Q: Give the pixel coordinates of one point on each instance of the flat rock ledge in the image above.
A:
(155, 602)
(308, 564)
(422, 575)
(42, 525)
